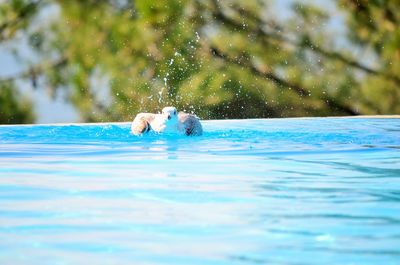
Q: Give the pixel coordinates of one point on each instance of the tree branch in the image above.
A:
(265, 74)
(23, 13)
(308, 44)
(300, 90)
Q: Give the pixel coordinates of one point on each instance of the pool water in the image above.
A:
(277, 191)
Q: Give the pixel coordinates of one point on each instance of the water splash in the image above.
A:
(160, 93)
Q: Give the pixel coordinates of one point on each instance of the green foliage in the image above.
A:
(376, 25)
(221, 59)
(12, 109)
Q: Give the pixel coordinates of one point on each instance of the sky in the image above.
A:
(58, 110)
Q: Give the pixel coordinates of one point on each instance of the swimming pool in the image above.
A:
(276, 191)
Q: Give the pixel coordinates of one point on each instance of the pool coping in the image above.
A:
(226, 120)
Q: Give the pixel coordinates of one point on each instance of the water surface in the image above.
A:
(279, 191)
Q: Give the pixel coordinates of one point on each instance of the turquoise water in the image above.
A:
(279, 191)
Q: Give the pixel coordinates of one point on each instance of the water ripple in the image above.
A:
(279, 191)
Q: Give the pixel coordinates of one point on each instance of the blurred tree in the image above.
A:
(221, 59)
(376, 25)
(14, 16)
(13, 109)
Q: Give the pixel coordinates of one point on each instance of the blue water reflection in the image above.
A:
(279, 191)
